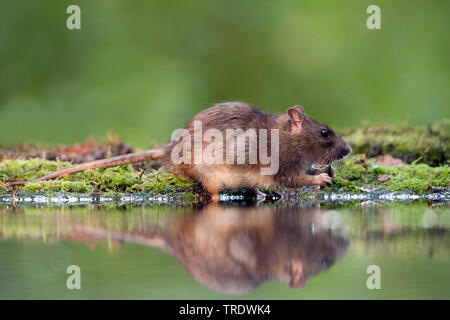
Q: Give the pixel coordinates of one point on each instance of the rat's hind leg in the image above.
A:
(213, 188)
(215, 198)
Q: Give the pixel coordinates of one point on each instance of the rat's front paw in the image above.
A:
(330, 171)
(323, 179)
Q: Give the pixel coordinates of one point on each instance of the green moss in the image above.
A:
(28, 169)
(120, 179)
(355, 174)
(164, 183)
(63, 186)
(429, 144)
(358, 172)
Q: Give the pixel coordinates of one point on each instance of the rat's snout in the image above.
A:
(344, 151)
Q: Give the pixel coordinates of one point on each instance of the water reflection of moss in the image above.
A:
(389, 229)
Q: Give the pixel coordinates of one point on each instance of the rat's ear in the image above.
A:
(296, 114)
(297, 278)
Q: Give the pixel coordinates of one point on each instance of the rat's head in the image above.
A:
(313, 254)
(316, 141)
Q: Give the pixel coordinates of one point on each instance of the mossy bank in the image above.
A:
(123, 179)
(359, 173)
(423, 151)
(355, 174)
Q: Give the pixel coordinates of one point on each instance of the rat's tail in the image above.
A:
(98, 164)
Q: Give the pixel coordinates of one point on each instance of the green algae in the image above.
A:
(428, 145)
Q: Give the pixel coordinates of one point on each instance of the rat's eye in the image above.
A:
(324, 133)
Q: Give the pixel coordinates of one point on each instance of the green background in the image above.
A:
(144, 68)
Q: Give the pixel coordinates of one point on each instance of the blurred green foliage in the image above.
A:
(143, 68)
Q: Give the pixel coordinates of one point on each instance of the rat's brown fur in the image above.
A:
(300, 146)
(297, 150)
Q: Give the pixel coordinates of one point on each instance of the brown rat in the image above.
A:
(274, 150)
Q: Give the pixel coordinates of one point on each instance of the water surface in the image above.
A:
(270, 251)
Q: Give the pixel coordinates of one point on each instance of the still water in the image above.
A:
(268, 251)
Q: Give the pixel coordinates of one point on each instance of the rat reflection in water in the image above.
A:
(236, 249)
(228, 249)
